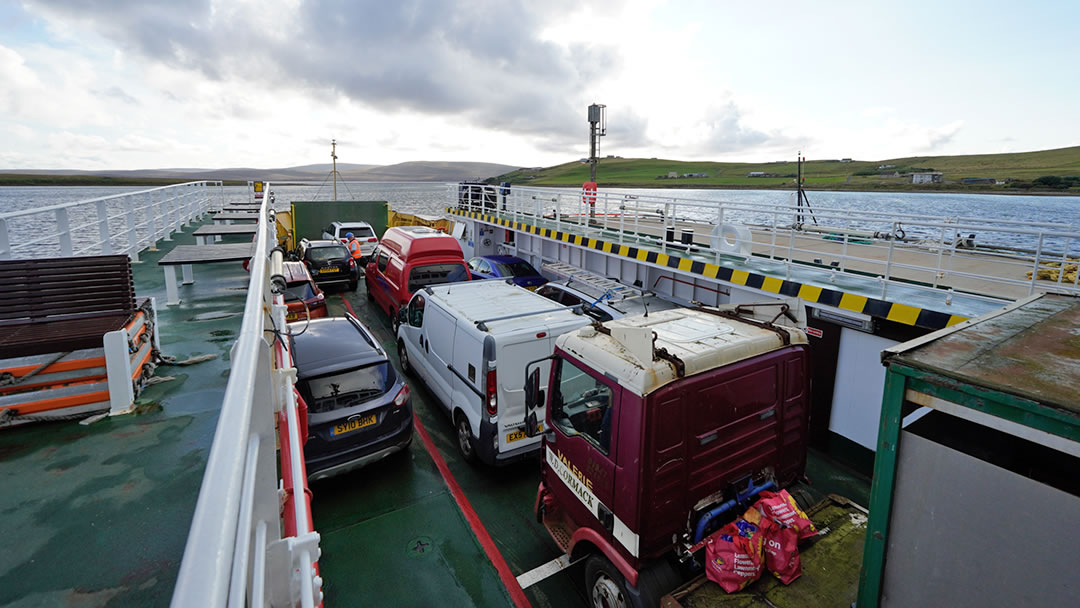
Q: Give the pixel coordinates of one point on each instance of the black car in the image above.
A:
(329, 263)
(359, 409)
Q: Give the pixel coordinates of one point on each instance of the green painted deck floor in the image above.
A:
(98, 515)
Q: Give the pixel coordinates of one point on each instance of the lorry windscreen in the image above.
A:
(582, 405)
(433, 274)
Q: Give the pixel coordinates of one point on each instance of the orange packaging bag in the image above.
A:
(780, 545)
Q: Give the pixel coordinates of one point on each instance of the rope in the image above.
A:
(170, 360)
(9, 379)
(9, 416)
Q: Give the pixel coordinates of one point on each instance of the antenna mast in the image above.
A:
(333, 160)
(597, 129)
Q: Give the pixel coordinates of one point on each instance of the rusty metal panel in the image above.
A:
(1032, 352)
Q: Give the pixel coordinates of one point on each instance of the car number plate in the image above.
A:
(354, 424)
(516, 435)
(329, 270)
(292, 316)
(533, 288)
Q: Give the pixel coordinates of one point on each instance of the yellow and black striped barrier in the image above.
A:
(892, 311)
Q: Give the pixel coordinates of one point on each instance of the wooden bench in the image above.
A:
(62, 304)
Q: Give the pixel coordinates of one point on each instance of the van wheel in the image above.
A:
(403, 358)
(605, 584)
(394, 320)
(465, 441)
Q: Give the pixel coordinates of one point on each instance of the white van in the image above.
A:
(470, 343)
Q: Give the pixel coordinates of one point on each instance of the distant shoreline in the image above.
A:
(791, 188)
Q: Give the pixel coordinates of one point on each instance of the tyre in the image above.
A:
(604, 584)
(394, 320)
(353, 285)
(465, 440)
(607, 588)
(367, 292)
(403, 359)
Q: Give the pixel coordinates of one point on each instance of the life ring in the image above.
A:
(731, 238)
(588, 193)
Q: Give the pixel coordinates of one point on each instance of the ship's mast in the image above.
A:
(333, 160)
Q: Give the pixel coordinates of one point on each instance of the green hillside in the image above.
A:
(1022, 170)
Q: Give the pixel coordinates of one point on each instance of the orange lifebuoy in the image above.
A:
(588, 193)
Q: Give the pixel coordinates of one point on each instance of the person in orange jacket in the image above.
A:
(354, 247)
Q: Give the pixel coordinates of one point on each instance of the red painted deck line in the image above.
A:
(508, 579)
(347, 305)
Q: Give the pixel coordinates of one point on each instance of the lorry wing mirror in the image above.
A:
(532, 427)
(534, 397)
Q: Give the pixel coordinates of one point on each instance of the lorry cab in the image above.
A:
(655, 421)
(409, 258)
(470, 343)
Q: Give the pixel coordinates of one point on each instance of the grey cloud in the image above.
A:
(480, 60)
(118, 94)
(725, 134)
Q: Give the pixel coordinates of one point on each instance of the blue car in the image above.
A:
(506, 267)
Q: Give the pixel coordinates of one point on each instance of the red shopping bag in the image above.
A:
(781, 508)
(780, 545)
(734, 556)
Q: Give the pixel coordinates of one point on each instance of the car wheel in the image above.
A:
(403, 359)
(465, 441)
(353, 285)
(394, 320)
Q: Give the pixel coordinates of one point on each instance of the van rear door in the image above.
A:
(511, 358)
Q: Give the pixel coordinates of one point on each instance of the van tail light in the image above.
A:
(373, 240)
(492, 393)
(402, 397)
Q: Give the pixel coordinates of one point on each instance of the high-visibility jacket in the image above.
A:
(354, 248)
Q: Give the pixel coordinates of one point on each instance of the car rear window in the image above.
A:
(362, 232)
(517, 269)
(325, 254)
(348, 388)
(299, 291)
(433, 274)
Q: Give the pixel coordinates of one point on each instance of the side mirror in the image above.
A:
(531, 425)
(533, 395)
(403, 315)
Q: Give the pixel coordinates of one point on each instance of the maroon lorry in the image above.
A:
(659, 426)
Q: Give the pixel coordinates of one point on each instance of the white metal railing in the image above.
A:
(1005, 260)
(235, 553)
(116, 224)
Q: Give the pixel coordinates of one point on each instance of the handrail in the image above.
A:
(914, 251)
(164, 210)
(234, 553)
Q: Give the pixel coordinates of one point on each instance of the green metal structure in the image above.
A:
(996, 402)
(310, 217)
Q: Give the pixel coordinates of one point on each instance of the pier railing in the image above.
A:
(121, 223)
(236, 554)
(982, 257)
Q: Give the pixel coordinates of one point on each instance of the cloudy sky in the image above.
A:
(94, 84)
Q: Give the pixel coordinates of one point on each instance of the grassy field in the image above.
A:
(19, 179)
(819, 174)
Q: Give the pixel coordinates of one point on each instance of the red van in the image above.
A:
(409, 258)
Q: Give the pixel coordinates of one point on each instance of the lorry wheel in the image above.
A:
(605, 584)
(403, 358)
(466, 443)
(608, 589)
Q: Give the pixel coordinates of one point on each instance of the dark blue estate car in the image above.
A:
(506, 267)
(358, 408)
